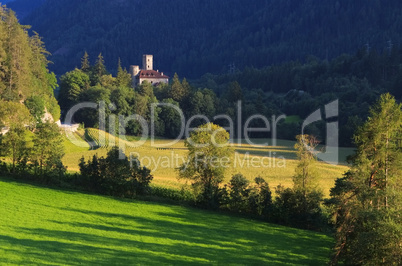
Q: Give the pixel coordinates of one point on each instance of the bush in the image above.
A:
(241, 197)
(184, 196)
(114, 175)
(239, 194)
(260, 199)
(298, 209)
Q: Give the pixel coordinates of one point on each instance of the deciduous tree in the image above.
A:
(305, 178)
(48, 148)
(208, 157)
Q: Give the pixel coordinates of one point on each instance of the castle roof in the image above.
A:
(152, 74)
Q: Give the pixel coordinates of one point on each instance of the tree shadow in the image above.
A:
(213, 238)
(158, 233)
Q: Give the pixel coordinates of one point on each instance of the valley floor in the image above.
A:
(275, 163)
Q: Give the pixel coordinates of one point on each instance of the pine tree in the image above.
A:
(234, 92)
(98, 70)
(85, 64)
(377, 155)
(368, 199)
(177, 91)
(17, 78)
(186, 88)
(23, 64)
(123, 78)
(99, 67)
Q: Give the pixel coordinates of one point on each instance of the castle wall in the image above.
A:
(154, 80)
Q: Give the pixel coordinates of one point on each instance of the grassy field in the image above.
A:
(41, 226)
(277, 167)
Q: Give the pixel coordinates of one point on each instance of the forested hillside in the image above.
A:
(24, 77)
(23, 7)
(193, 37)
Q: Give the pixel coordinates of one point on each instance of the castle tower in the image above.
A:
(134, 70)
(147, 62)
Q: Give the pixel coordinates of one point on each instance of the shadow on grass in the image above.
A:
(155, 234)
(198, 236)
(53, 187)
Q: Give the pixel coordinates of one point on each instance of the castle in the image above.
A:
(147, 73)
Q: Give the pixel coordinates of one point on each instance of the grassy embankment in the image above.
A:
(41, 226)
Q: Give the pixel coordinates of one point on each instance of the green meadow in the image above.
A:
(277, 167)
(42, 226)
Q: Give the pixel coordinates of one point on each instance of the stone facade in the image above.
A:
(147, 73)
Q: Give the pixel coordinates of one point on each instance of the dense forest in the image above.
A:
(193, 37)
(23, 7)
(298, 89)
(24, 77)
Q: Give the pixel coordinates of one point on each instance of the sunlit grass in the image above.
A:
(41, 226)
(278, 162)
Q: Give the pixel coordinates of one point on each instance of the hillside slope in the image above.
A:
(23, 7)
(192, 37)
(45, 226)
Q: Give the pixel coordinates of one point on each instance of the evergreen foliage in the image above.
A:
(23, 66)
(85, 64)
(367, 200)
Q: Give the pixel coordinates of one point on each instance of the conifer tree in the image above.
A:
(234, 92)
(186, 88)
(85, 64)
(123, 78)
(98, 70)
(368, 199)
(23, 64)
(99, 67)
(177, 91)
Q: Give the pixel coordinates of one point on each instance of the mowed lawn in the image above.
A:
(53, 227)
(276, 164)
